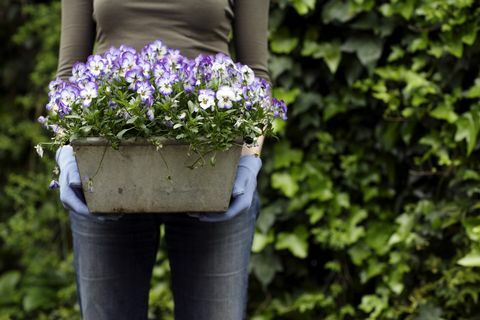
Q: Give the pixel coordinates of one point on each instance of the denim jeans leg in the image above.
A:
(113, 260)
(209, 265)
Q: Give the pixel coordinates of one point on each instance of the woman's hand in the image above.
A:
(243, 190)
(71, 193)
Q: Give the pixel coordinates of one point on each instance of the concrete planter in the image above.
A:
(138, 178)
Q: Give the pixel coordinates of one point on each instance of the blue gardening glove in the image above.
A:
(243, 190)
(71, 193)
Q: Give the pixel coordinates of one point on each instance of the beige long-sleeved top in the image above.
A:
(191, 26)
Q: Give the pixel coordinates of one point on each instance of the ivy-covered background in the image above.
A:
(370, 199)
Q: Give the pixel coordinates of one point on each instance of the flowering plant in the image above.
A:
(207, 102)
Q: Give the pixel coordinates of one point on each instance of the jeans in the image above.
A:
(113, 261)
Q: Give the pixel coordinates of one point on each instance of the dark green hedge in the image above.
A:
(369, 200)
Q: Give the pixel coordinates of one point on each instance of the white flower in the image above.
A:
(225, 95)
(247, 75)
(52, 106)
(89, 92)
(238, 93)
(206, 99)
(219, 67)
(96, 64)
(39, 150)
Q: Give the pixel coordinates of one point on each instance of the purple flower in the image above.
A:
(41, 119)
(204, 67)
(279, 108)
(95, 64)
(67, 97)
(55, 86)
(112, 104)
(145, 91)
(126, 61)
(124, 48)
(150, 114)
(154, 51)
(164, 86)
(79, 71)
(54, 184)
(88, 92)
(133, 76)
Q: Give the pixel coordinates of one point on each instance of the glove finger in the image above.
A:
(241, 181)
(237, 206)
(63, 154)
(72, 174)
(71, 202)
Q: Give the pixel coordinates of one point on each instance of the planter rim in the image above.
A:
(94, 141)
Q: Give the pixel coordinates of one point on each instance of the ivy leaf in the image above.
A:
(444, 112)
(337, 10)
(8, 283)
(329, 51)
(279, 64)
(467, 128)
(283, 42)
(429, 312)
(295, 242)
(470, 260)
(303, 6)
(288, 96)
(285, 156)
(265, 265)
(472, 227)
(261, 240)
(368, 48)
(38, 297)
(474, 91)
(285, 183)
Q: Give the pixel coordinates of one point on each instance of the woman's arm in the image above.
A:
(77, 35)
(250, 33)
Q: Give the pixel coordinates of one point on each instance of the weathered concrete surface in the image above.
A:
(136, 179)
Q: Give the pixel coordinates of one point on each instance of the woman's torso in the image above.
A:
(192, 26)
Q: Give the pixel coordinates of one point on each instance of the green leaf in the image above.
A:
(315, 214)
(474, 91)
(368, 48)
(470, 260)
(38, 298)
(472, 227)
(132, 120)
(467, 129)
(285, 183)
(8, 283)
(338, 10)
(330, 52)
(288, 96)
(121, 133)
(285, 156)
(295, 242)
(261, 240)
(429, 312)
(470, 34)
(265, 265)
(303, 6)
(283, 42)
(444, 112)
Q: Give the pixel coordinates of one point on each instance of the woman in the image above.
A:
(209, 252)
